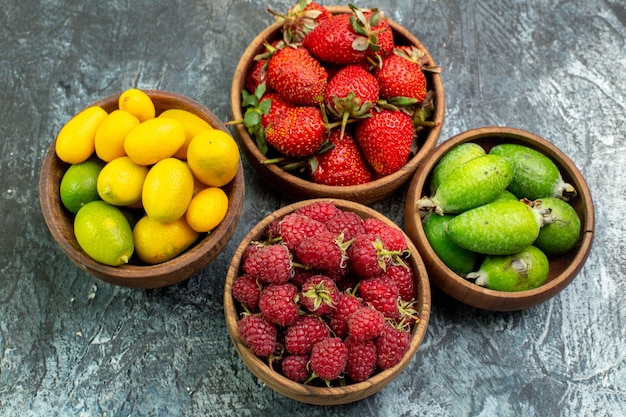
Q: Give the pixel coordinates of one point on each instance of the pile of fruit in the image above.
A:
(504, 211)
(326, 296)
(335, 99)
(141, 183)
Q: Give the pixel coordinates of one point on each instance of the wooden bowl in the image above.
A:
(316, 394)
(136, 274)
(563, 268)
(295, 188)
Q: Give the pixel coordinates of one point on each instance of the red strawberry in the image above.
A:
(321, 210)
(295, 227)
(295, 368)
(300, 19)
(392, 237)
(297, 77)
(382, 294)
(257, 75)
(328, 358)
(325, 251)
(346, 305)
(385, 139)
(400, 76)
(402, 275)
(366, 323)
(269, 263)
(277, 105)
(258, 334)
(332, 41)
(347, 222)
(278, 304)
(361, 359)
(342, 165)
(319, 295)
(247, 290)
(348, 38)
(351, 92)
(303, 334)
(298, 132)
(384, 42)
(391, 346)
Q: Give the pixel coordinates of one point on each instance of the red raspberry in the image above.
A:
(391, 346)
(271, 263)
(404, 279)
(325, 251)
(247, 290)
(348, 223)
(346, 305)
(328, 358)
(361, 359)
(278, 304)
(365, 323)
(295, 367)
(273, 231)
(303, 334)
(300, 275)
(321, 211)
(295, 227)
(382, 294)
(367, 256)
(258, 334)
(392, 237)
(319, 295)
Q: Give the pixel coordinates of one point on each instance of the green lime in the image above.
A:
(104, 233)
(79, 184)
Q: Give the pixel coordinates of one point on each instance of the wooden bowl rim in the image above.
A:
(352, 192)
(315, 394)
(136, 275)
(492, 299)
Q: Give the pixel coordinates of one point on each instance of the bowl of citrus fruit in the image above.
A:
(502, 217)
(142, 189)
(336, 101)
(326, 301)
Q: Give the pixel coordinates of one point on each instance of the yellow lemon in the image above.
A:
(103, 232)
(213, 156)
(154, 140)
(109, 140)
(137, 103)
(79, 184)
(167, 190)
(121, 181)
(193, 125)
(76, 139)
(157, 241)
(207, 209)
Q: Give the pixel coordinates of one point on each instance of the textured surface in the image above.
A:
(72, 345)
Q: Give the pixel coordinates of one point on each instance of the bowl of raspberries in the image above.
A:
(336, 101)
(326, 301)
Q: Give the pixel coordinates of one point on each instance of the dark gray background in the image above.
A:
(71, 345)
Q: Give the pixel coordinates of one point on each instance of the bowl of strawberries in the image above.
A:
(326, 301)
(337, 102)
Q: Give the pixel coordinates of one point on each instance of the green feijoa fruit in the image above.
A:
(461, 261)
(452, 160)
(536, 175)
(499, 228)
(506, 195)
(476, 182)
(562, 234)
(522, 271)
